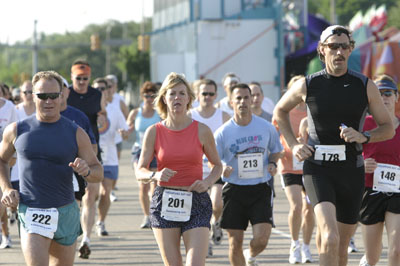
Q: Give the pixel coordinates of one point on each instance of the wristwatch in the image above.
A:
(367, 135)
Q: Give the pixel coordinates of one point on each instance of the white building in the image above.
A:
(208, 38)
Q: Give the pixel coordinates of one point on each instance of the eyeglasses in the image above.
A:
(149, 96)
(387, 93)
(211, 94)
(335, 46)
(45, 96)
(27, 92)
(82, 78)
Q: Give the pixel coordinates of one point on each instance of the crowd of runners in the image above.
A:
(205, 169)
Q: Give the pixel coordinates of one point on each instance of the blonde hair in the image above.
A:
(172, 80)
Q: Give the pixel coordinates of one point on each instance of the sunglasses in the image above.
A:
(102, 88)
(211, 94)
(82, 78)
(45, 96)
(387, 93)
(27, 92)
(149, 96)
(335, 46)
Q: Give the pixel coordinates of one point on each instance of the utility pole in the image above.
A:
(333, 12)
(124, 36)
(34, 50)
(108, 50)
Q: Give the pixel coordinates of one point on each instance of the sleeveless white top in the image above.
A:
(213, 122)
(224, 106)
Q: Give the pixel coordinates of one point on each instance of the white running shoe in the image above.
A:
(364, 262)
(84, 250)
(295, 254)
(250, 261)
(217, 233)
(113, 197)
(5, 242)
(306, 256)
(352, 246)
(145, 223)
(101, 229)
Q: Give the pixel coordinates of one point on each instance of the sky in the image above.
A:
(59, 16)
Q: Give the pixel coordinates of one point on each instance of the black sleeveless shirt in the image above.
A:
(332, 101)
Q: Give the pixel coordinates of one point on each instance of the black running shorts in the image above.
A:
(342, 186)
(246, 203)
(375, 205)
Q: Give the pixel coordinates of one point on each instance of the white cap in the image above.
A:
(329, 32)
(113, 78)
(230, 79)
(65, 82)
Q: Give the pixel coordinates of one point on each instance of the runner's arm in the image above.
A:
(86, 164)
(10, 197)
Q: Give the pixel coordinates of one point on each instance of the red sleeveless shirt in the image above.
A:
(181, 151)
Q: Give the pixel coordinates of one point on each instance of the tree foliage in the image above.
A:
(346, 9)
(58, 51)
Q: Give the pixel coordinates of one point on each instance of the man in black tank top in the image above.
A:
(337, 101)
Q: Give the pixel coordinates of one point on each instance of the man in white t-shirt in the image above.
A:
(112, 125)
(118, 102)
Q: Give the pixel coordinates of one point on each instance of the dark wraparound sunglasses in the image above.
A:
(387, 93)
(81, 78)
(335, 46)
(45, 96)
(208, 93)
(149, 96)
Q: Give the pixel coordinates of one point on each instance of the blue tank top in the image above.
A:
(142, 123)
(44, 151)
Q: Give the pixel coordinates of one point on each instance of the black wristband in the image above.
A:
(88, 173)
(274, 163)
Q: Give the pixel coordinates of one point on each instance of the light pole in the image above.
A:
(34, 49)
(108, 49)
(333, 12)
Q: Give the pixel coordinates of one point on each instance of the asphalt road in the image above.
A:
(127, 244)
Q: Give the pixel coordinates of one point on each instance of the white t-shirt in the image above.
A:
(8, 114)
(115, 121)
(268, 105)
(117, 98)
(20, 114)
(224, 106)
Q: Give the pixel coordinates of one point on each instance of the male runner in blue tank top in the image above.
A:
(49, 148)
(337, 102)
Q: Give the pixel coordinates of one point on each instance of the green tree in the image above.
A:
(346, 9)
(393, 16)
(58, 51)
